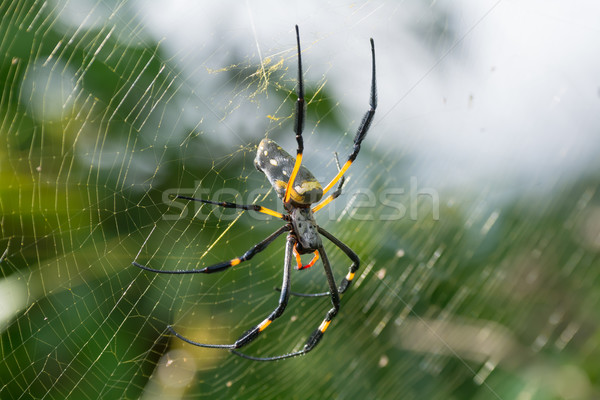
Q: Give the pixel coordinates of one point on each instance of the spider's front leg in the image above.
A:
(364, 125)
(298, 122)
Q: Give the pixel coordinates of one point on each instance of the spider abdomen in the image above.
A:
(277, 165)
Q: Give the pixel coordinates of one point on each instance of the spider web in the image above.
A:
(473, 205)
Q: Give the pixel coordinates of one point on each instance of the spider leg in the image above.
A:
(362, 129)
(337, 191)
(257, 248)
(226, 204)
(351, 254)
(299, 260)
(347, 281)
(253, 332)
(317, 335)
(298, 123)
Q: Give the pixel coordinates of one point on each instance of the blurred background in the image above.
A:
(474, 204)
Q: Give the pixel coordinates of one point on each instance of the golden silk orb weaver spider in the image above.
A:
(299, 190)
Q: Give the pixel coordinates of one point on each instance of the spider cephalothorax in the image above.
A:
(299, 190)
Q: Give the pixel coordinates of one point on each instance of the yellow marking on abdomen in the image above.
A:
(298, 193)
(280, 184)
(307, 186)
(350, 276)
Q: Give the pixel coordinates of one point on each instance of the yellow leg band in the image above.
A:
(264, 324)
(324, 325)
(270, 212)
(337, 177)
(323, 204)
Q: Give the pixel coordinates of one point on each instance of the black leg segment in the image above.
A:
(226, 204)
(364, 125)
(257, 248)
(253, 332)
(317, 335)
(351, 254)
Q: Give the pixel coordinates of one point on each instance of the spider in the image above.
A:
(299, 190)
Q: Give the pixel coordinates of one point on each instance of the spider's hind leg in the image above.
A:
(348, 279)
(318, 333)
(253, 332)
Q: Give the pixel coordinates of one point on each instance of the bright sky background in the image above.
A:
(504, 91)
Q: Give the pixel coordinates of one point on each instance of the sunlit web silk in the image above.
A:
(100, 124)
